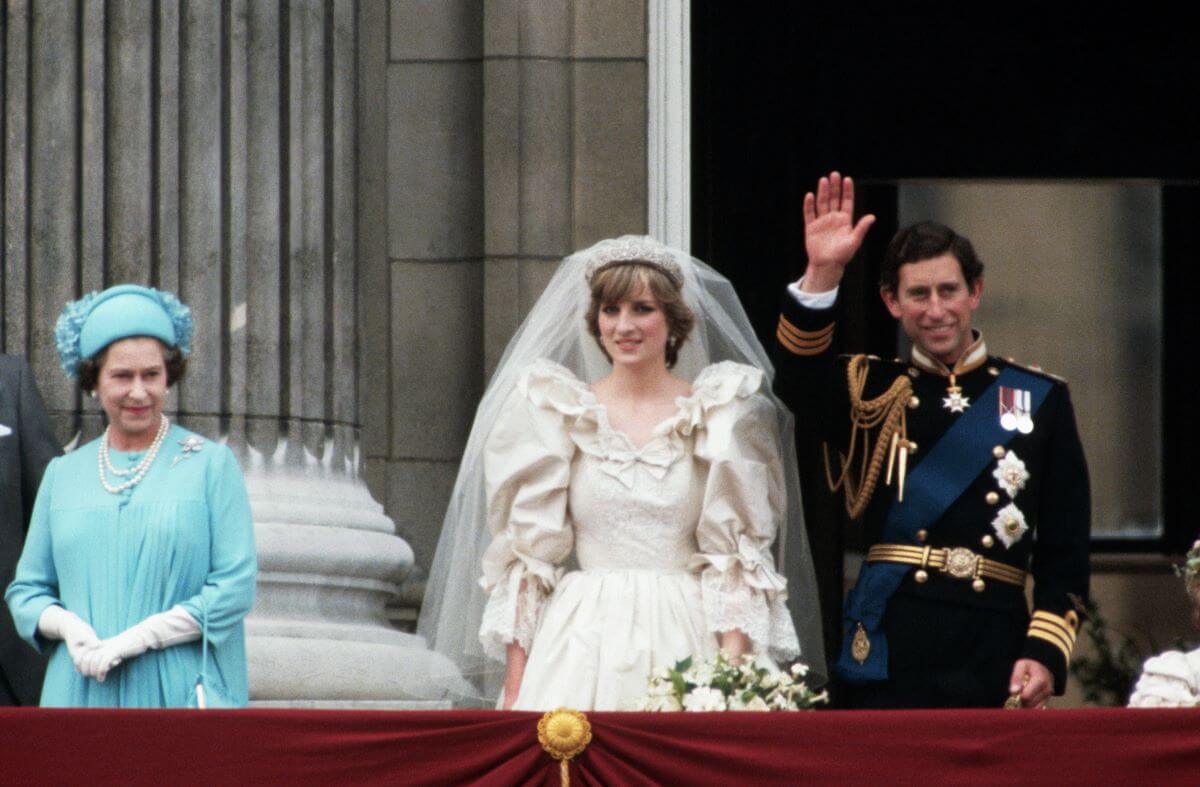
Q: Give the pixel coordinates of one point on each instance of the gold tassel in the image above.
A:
(564, 733)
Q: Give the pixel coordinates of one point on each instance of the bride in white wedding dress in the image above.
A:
(626, 482)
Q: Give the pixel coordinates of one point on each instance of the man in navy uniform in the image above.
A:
(27, 445)
(966, 471)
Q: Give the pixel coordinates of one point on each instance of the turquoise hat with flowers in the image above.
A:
(98, 319)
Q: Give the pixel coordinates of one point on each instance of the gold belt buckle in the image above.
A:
(960, 563)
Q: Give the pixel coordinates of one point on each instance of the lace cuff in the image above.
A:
(512, 614)
(750, 598)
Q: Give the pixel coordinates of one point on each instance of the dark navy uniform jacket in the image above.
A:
(27, 445)
(1054, 500)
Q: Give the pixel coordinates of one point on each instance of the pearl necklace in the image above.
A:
(139, 470)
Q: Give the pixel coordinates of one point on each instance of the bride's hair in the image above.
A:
(614, 283)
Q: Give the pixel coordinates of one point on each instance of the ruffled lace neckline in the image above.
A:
(554, 387)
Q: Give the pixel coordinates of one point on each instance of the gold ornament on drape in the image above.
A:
(564, 733)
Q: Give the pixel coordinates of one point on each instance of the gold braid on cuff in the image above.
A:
(800, 342)
(1057, 630)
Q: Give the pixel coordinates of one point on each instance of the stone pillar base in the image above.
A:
(329, 563)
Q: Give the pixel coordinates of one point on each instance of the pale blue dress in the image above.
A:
(183, 535)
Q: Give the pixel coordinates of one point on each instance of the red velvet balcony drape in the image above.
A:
(485, 747)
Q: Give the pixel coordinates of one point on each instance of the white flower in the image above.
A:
(757, 703)
(1009, 525)
(784, 679)
(661, 688)
(1010, 472)
(704, 699)
(769, 681)
(700, 674)
(799, 669)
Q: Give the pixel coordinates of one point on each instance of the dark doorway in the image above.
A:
(784, 94)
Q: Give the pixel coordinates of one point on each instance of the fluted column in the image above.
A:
(210, 149)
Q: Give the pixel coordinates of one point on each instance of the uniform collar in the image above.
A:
(974, 357)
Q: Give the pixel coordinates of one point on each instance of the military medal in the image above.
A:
(1015, 410)
(955, 402)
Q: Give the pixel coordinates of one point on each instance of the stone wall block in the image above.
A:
(545, 28)
(533, 277)
(436, 29)
(501, 28)
(545, 106)
(418, 493)
(610, 28)
(435, 204)
(502, 156)
(609, 150)
(437, 341)
(502, 315)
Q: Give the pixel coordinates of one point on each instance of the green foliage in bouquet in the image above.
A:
(1108, 677)
(719, 685)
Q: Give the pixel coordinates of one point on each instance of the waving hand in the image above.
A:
(831, 237)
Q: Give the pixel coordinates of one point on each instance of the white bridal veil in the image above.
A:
(555, 329)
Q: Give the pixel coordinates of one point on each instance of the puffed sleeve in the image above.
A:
(228, 592)
(35, 585)
(1169, 680)
(745, 501)
(527, 469)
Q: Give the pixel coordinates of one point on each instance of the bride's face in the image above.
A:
(634, 329)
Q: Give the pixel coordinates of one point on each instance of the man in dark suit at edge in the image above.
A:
(27, 445)
(953, 460)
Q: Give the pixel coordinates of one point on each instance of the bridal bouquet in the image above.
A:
(718, 685)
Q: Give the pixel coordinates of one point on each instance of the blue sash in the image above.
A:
(952, 465)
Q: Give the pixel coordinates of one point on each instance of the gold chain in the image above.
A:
(886, 412)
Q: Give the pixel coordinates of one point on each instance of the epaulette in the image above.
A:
(1035, 369)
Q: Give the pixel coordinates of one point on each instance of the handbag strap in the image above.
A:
(203, 640)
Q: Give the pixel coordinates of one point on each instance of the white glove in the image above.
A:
(55, 622)
(155, 632)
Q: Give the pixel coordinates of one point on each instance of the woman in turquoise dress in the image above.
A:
(140, 555)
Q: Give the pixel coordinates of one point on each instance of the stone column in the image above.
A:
(210, 149)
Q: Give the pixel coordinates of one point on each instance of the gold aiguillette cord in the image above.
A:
(887, 412)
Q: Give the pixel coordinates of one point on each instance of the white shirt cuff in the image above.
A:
(812, 300)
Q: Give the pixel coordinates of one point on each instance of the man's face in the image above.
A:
(934, 306)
